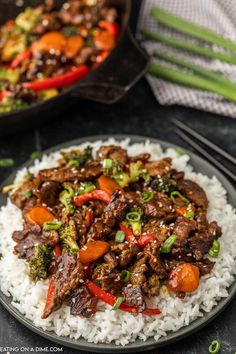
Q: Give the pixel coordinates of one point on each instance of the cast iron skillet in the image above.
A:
(199, 165)
(120, 71)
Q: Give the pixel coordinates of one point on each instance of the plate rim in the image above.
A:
(138, 345)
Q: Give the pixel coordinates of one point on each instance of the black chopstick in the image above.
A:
(206, 155)
(205, 141)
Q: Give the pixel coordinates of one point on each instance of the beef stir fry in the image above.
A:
(115, 228)
(47, 48)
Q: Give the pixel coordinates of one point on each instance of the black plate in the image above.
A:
(199, 165)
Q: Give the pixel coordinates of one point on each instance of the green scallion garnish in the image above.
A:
(52, 225)
(168, 244)
(120, 236)
(215, 249)
(125, 275)
(107, 164)
(86, 189)
(35, 154)
(72, 163)
(175, 195)
(147, 196)
(179, 151)
(28, 194)
(190, 214)
(6, 162)
(214, 347)
(118, 302)
(133, 216)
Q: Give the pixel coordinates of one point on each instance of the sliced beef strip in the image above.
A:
(111, 259)
(69, 275)
(182, 227)
(108, 279)
(154, 259)
(201, 242)
(76, 173)
(158, 168)
(98, 230)
(97, 207)
(201, 219)
(158, 228)
(193, 192)
(29, 237)
(48, 193)
(113, 152)
(133, 296)
(205, 266)
(138, 270)
(29, 204)
(83, 303)
(144, 157)
(19, 197)
(125, 252)
(158, 207)
(176, 175)
(115, 210)
(152, 286)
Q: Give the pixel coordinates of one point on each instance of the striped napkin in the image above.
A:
(217, 15)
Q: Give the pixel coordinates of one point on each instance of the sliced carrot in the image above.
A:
(93, 251)
(39, 215)
(108, 184)
(104, 40)
(184, 209)
(73, 46)
(184, 278)
(51, 40)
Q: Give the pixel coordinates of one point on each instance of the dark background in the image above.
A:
(137, 113)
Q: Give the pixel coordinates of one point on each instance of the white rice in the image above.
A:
(117, 326)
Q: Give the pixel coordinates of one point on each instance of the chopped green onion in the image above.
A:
(28, 194)
(167, 245)
(72, 163)
(52, 225)
(147, 196)
(190, 214)
(118, 302)
(215, 249)
(125, 275)
(175, 194)
(120, 236)
(133, 216)
(107, 164)
(86, 189)
(35, 154)
(6, 162)
(214, 347)
(179, 151)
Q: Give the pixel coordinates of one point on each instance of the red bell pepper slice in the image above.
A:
(129, 236)
(4, 94)
(20, 58)
(141, 241)
(57, 252)
(93, 195)
(59, 81)
(111, 27)
(50, 297)
(111, 300)
(144, 239)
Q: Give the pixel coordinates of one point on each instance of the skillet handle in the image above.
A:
(110, 82)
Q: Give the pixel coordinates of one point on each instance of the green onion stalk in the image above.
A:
(190, 47)
(192, 29)
(191, 80)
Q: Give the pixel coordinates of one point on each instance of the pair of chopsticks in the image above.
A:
(187, 134)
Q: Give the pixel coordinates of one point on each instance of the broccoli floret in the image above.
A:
(163, 184)
(66, 197)
(116, 172)
(76, 157)
(68, 236)
(39, 264)
(137, 171)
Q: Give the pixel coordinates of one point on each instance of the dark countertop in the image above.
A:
(137, 113)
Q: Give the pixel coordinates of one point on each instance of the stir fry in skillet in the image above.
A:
(115, 228)
(47, 48)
